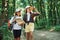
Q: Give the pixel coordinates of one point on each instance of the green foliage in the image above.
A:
(57, 28)
(49, 11)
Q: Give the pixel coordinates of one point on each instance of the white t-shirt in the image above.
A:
(28, 16)
(15, 26)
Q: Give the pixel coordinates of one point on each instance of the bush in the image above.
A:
(1, 35)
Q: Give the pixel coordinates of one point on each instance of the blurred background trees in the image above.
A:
(49, 11)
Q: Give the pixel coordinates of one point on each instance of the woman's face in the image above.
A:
(19, 13)
(28, 10)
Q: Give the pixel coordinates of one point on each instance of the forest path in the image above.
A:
(45, 35)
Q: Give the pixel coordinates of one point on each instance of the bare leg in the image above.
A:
(31, 35)
(27, 35)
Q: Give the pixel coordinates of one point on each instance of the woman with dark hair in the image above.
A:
(29, 22)
(17, 24)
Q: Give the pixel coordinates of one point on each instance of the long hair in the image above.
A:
(26, 10)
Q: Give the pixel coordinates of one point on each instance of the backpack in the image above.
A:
(10, 26)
